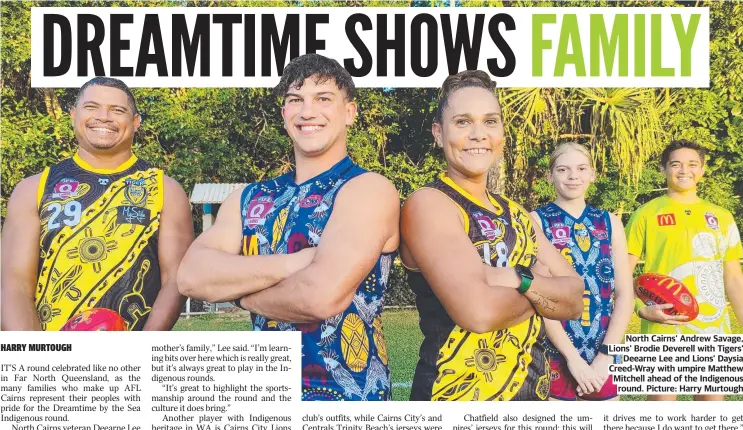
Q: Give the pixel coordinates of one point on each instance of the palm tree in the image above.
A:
(626, 124)
(621, 126)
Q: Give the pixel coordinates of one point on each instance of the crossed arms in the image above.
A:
(477, 297)
(310, 285)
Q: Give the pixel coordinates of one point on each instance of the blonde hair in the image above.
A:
(564, 148)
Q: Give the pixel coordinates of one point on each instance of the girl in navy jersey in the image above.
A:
(593, 241)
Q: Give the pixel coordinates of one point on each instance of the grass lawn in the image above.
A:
(214, 322)
(403, 340)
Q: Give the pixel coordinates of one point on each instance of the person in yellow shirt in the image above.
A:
(694, 241)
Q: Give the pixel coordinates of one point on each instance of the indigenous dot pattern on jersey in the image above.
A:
(345, 356)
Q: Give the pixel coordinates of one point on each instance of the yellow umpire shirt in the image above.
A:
(689, 242)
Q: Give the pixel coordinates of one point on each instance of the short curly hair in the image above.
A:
(680, 144)
(316, 66)
(463, 79)
(109, 82)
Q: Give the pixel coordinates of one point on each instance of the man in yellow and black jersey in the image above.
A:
(102, 229)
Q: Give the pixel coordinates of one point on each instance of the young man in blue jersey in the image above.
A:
(312, 249)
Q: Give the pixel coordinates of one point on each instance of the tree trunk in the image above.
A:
(54, 110)
(52, 104)
(496, 177)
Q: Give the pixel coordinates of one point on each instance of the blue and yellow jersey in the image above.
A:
(344, 357)
(98, 247)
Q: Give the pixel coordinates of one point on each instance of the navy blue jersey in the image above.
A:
(586, 243)
(344, 357)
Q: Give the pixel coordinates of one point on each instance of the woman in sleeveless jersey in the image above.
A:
(593, 241)
(477, 266)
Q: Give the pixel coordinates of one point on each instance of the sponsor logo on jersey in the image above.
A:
(258, 210)
(310, 201)
(560, 234)
(599, 233)
(132, 215)
(65, 188)
(103, 181)
(712, 221)
(666, 220)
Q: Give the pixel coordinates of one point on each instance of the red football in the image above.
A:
(657, 289)
(96, 319)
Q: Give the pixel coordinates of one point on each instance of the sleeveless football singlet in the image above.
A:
(98, 246)
(456, 364)
(585, 242)
(344, 357)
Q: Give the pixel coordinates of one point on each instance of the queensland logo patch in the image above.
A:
(258, 210)
(560, 234)
(65, 188)
(132, 215)
(487, 226)
(712, 221)
(666, 220)
(310, 201)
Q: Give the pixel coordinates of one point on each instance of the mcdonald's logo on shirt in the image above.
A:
(666, 219)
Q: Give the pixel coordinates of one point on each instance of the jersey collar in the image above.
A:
(84, 165)
(448, 181)
(338, 170)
